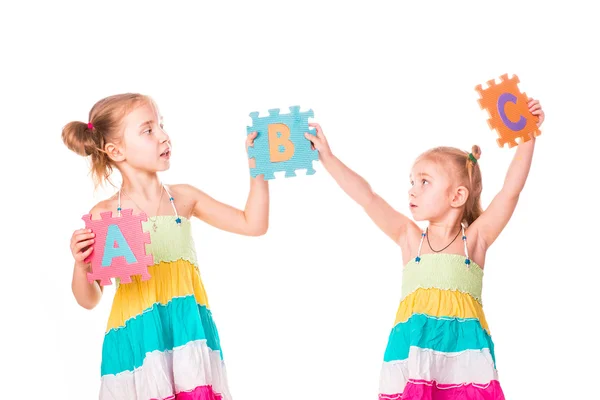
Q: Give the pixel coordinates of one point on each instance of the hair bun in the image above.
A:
(476, 151)
(78, 138)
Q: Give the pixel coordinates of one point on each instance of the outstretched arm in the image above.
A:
(491, 223)
(252, 221)
(391, 222)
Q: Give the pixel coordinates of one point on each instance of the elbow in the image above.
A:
(259, 231)
(512, 191)
(367, 201)
(88, 305)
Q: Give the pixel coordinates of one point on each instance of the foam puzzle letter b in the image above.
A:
(280, 144)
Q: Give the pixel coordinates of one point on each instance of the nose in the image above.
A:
(163, 136)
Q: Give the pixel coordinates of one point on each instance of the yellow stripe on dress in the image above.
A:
(168, 280)
(441, 303)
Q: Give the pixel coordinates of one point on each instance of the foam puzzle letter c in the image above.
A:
(502, 100)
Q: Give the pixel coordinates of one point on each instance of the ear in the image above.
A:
(115, 153)
(459, 197)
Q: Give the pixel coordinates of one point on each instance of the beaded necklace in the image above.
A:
(464, 239)
(154, 226)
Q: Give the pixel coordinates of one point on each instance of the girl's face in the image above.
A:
(430, 194)
(146, 146)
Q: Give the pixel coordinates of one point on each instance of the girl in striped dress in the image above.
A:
(440, 346)
(161, 341)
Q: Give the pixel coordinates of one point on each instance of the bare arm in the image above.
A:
(391, 222)
(87, 295)
(495, 218)
(252, 221)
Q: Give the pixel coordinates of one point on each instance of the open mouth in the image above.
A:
(166, 153)
(412, 205)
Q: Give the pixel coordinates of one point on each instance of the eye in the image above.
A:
(147, 131)
(424, 181)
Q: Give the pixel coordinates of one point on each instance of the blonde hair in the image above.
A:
(466, 173)
(105, 126)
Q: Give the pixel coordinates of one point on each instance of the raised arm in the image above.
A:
(495, 218)
(252, 221)
(391, 222)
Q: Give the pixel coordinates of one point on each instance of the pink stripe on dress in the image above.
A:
(200, 393)
(428, 390)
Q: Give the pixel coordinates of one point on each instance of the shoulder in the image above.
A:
(183, 190)
(180, 188)
(106, 205)
(187, 197)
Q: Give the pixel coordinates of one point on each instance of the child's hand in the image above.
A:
(81, 245)
(319, 142)
(250, 142)
(536, 109)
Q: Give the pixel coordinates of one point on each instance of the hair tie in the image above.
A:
(472, 158)
(90, 126)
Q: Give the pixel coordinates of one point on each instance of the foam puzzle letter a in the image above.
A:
(120, 247)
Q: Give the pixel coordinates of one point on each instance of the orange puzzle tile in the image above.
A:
(508, 111)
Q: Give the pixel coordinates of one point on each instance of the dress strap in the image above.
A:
(464, 238)
(418, 258)
(119, 204)
(172, 201)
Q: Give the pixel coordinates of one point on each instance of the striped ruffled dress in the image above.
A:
(440, 347)
(161, 341)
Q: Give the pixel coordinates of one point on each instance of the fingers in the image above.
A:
(83, 244)
(81, 257)
(79, 232)
(310, 137)
(86, 235)
(318, 128)
(541, 117)
(535, 108)
(250, 138)
(86, 253)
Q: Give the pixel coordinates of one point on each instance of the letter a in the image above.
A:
(116, 246)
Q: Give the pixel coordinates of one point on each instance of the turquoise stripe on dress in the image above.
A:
(162, 328)
(443, 334)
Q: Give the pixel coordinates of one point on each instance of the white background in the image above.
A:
(305, 311)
